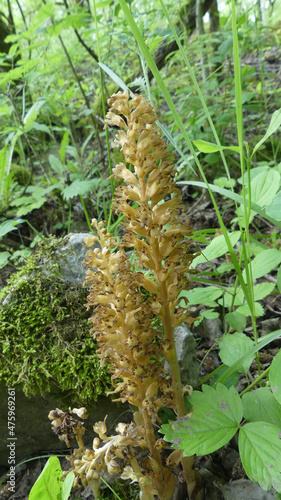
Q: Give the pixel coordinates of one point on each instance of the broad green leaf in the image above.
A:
(224, 182)
(274, 210)
(67, 485)
(232, 347)
(261, 405)
(56, 164)
(77, 188)
(233, 196)
(4, 259)
(214, 421)
(264, 187)
(245, 309)
(26, 209)
(42, 127)
(264, 263)
(275, 123)
(9, 225)
(209, 147)
(206, 296)
(275, 377)
(261, 344)
(260, 450)
(232, 380)
(216, 248)
(236, 320)
(49, 484)
(32, 114)
(261, 290)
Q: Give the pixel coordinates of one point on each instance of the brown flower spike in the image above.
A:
(127, 337)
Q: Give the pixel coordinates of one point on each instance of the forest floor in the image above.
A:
(223, 466)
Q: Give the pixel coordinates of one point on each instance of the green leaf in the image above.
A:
(264, 187)
(261, 344)
(232, 380)
(49, 484)
(236, 320)
(206, 296)
(274, 210)
(56, 164)
(275, 377)
(32, 114)
(67, 485)
(209, 147)
(261, 405)
(232, 347)
(77, 188)
(264, 263)
(232, 196)
(26, 209)
(9, 225)
(214, 421)
(261, 290)
(260, 450)
(224, 182)
(4, 259)
(244, 309)
(275, 123)
(216, 248)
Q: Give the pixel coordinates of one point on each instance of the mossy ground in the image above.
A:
(45, 338)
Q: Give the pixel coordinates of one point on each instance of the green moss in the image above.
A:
(45, 338)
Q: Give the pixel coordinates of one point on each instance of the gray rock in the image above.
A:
(186, 352)
(33, 431)
(244, 489)
(73, 254)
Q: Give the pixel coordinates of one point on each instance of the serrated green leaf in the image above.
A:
(262, 290)
(206, 296)
(49, 484)
(275, 123)
(275, 377)
(216, 248)
(33, 206)
(244, 309)
(261, 405)
(264, 263)
(77, 188)
(214, 421)
(274, 210)
(209, 147)
(236, 320)
(232, 347)
(56, 164)
(260, 450)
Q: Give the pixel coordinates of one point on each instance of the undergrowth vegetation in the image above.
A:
(222, 120)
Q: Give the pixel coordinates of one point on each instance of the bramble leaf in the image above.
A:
(233, 346)
(260, 450)
(275, 377)
(214, 421)
(261, 405)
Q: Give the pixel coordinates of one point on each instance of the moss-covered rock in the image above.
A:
(45, 338)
